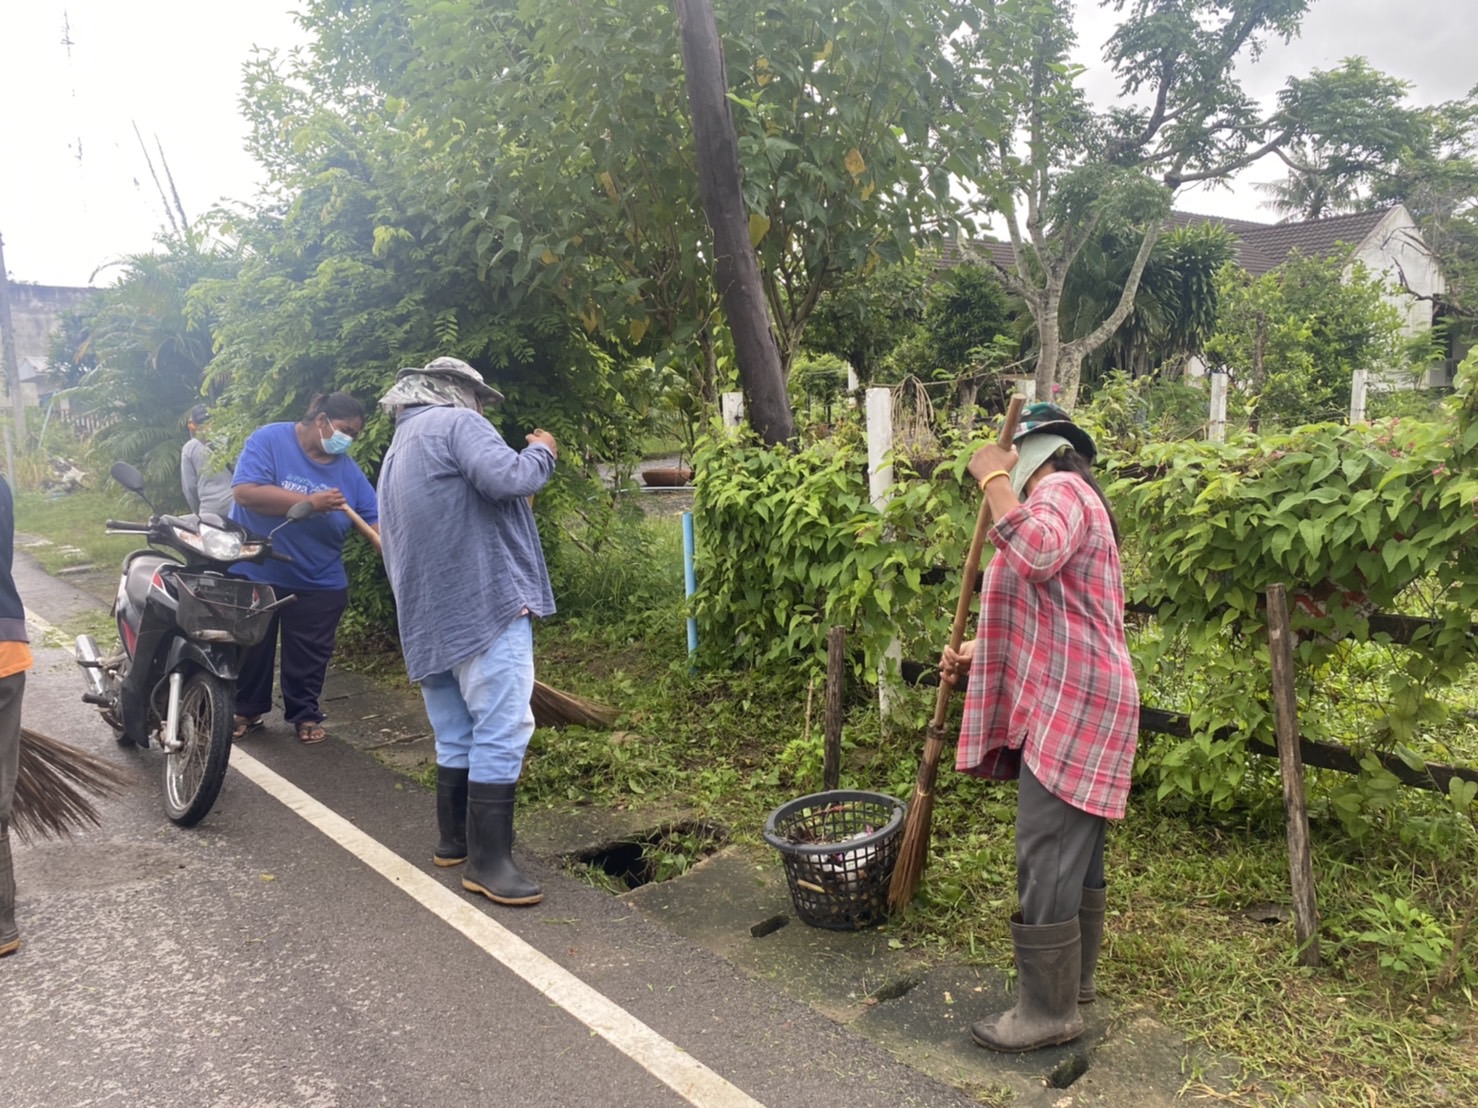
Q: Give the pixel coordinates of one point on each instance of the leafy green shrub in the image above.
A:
(1349, 519)
(789, 545)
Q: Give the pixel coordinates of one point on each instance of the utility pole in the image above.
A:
(12, 364)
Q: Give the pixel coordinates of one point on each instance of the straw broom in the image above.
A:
(552, 708)
(51, 787)
(913, 851)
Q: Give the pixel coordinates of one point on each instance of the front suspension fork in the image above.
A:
(172, 742)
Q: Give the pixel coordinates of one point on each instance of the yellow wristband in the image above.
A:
(991, 476)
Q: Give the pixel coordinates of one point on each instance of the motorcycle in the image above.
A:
(183, 625)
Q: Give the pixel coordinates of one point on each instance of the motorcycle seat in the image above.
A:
(138, 574)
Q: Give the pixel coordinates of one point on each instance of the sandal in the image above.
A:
(311, 731)
(244, 725)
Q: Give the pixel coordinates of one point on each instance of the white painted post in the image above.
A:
(1216, 430)
(879, 445)
(1359, 384)
(880, 489)
(731, 407)
(853, 384)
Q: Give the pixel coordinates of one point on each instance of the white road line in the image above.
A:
(689, 1078)
(37, 622)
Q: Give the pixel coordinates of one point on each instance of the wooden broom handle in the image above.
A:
(363, 528)
(972, 568)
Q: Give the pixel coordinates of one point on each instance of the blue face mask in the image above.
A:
(338, 442)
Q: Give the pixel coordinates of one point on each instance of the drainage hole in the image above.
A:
(894, 989)
(769, 926)
(649, 857)
(1068, 1070)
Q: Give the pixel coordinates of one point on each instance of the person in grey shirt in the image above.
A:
(207, 486)
(463, 557)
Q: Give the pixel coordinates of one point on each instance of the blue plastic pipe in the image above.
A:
(690, 580)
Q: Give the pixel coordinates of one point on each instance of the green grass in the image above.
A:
(1179, 944)
(76, 520)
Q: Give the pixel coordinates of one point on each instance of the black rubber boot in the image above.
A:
(1090, 932)
(10, 937)
(1046, 1013)
(490, 869)
(451, 816)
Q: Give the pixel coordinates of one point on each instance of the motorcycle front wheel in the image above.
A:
(193, 774)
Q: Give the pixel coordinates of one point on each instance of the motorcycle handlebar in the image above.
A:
(120, 525)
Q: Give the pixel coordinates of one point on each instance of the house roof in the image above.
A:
(1260, 246)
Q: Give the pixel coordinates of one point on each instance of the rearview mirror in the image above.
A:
(301, 510)
(130, 478)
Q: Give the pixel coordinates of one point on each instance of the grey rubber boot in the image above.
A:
(490, 869)
(1046, 1013)
(10, 936)
(1090, 931)
(451, 816)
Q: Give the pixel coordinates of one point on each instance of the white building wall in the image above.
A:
(1395, 253)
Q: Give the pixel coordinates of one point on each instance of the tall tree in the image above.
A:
(1434, 172)
(735, 269)
(152, 335)
(1064, 170)
(1292, 338)
(555, 137)
(345, 279)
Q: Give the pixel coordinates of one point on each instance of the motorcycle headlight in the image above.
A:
(221, 545)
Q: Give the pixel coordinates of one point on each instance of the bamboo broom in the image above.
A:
(552, 708)
(51, 784)
(913, 851)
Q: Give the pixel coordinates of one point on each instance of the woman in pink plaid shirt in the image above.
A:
(1052, 701)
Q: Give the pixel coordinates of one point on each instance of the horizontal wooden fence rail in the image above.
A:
(1324, 755)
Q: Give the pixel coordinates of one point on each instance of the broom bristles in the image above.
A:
(553, 708)
(52, 787)
(913, 848)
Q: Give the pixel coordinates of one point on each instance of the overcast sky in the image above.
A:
(75, 191)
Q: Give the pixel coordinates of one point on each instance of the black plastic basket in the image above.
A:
(839, 850)
(224, 609)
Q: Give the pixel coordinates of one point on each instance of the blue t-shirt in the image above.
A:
(272, 456)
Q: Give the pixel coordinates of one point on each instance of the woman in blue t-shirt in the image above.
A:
(282, 464)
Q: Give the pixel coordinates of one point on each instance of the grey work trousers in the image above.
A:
(1059, 853)
(11, 690)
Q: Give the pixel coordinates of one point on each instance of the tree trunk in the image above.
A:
(1049, 345)
(708, 382)
(736, 270)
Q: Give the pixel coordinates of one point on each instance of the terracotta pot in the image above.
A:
(666, 477)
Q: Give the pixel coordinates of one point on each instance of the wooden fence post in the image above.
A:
(1295, 810)
(836, 686)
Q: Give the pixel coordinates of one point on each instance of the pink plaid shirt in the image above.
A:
(1052, 681)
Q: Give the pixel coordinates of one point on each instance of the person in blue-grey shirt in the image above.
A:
(205, 483)
(280, 465)
(463, 556)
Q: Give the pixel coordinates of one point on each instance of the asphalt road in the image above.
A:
(298, 948)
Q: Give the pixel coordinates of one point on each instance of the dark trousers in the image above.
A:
(307, 627)
(1059, 853)
(12, 689)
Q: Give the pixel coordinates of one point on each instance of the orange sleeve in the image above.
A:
(14, 657)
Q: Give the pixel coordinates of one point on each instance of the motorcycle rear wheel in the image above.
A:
(193, 774)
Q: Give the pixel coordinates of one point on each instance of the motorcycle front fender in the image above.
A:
(221, 659)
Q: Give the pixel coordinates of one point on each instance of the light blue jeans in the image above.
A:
(479, 709)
